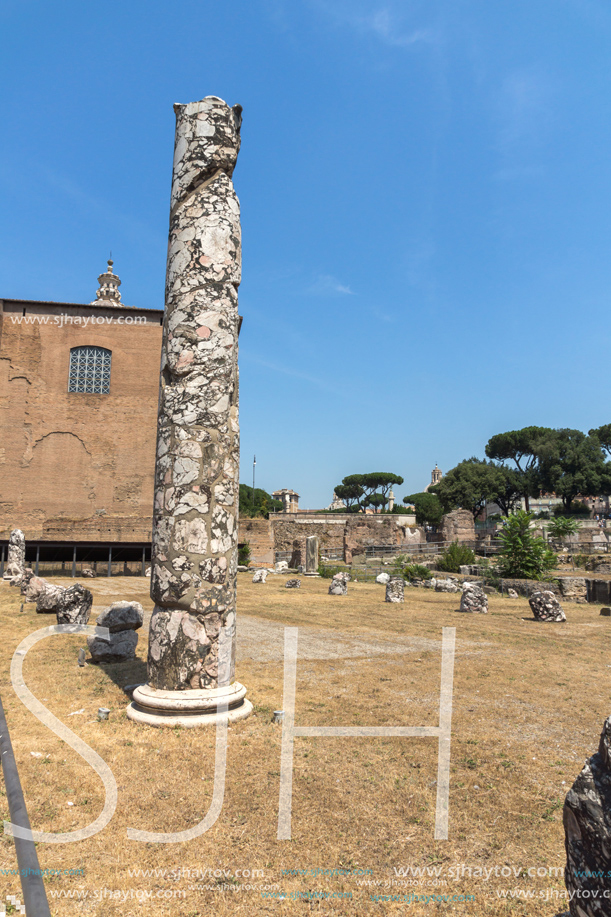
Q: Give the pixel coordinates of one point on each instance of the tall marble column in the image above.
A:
(191, 661)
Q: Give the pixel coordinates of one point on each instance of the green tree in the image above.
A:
(473, 483)
(361, 490)
(603, 435)
(256, 504)
(350, 494)
(427, 506)
(523, 554)
(572, 463)
(524, 448)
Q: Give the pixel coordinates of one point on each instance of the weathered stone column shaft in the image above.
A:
(193, 581)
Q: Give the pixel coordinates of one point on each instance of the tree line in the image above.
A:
(525, 463)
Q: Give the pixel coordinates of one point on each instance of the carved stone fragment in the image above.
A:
(546, 607)
(73, 606)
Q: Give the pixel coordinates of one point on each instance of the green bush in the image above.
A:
(416, 571)
(577, 508)
(244, 554)
(561, 526)
(455, 557)
(523, 555)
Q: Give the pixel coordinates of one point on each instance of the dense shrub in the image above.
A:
(416, 571)
(455, 557)
(244, 554)
(523, 555)
(577, 508)
(561, 526)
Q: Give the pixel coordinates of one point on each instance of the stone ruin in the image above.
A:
(473, 599)
(311, 553)
(339, 584)
(15, 565)
(546, 607)
(259, 576)
(191, 660)
(446, 585)
(71, 605)
(122, 619)
(395, 589)
(293, 584)
(587, 827)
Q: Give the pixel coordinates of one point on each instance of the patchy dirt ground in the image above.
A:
(529, 702)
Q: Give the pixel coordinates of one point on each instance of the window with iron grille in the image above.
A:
(90, 370)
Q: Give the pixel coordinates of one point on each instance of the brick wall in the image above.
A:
(258, 534)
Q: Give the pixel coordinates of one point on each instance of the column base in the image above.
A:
(190, 708)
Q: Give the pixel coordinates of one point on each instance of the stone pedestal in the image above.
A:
(191, 659)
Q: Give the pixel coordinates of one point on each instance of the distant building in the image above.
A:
(288, 498)
(79, 386)
(544, 503)
(436, 476)
(337, 503)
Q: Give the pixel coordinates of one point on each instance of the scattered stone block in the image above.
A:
(546, 607)
(121, 647)
(281, 566)
(587, 827)
(260, 576)
(473, 599)
(395, 589)
(512, 594)
(292, 584)
(32, 586)
(446, 585)
(89, 572)
(121, 616)
(74, 605)
(382, 578)
(47, 600)
(339, 584)
(606, 612)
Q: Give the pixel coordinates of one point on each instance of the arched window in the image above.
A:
(90, 370)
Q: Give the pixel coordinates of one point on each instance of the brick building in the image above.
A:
(78, 406)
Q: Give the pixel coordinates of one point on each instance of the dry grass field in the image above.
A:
(529, 703)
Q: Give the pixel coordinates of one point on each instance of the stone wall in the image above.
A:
(458, 526)
(290, 533)
(345, 534)
(77, 466)
(258, 534)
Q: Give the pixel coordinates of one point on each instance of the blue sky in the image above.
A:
(425, 192)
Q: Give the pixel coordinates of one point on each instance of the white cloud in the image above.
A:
(384, 23)
(327, 284)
